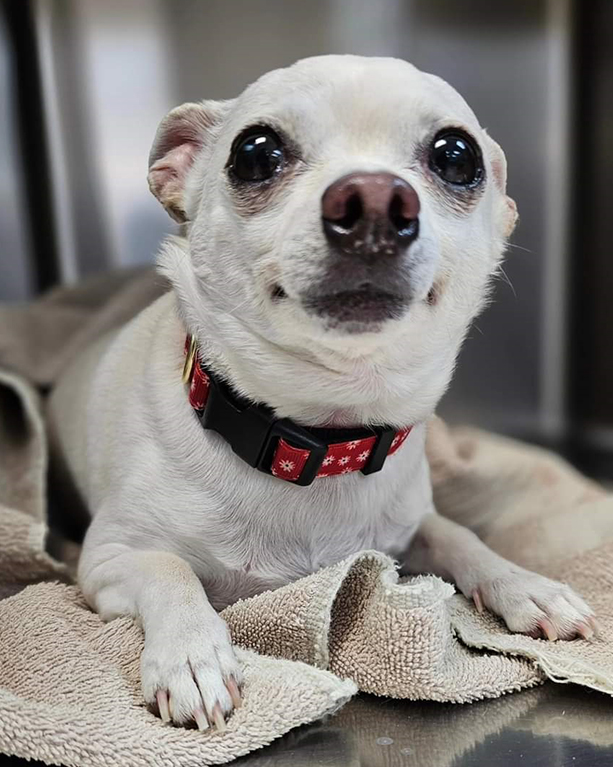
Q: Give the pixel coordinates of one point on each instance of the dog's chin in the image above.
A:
(351, 312)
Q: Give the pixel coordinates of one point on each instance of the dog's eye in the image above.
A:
(257, 155)
(456, 158)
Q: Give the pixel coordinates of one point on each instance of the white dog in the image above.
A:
(344, 218)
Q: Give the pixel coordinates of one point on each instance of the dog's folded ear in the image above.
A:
(182, 134)
(499, 170)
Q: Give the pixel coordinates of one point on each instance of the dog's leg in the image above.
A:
(527, 602)
(188, 668)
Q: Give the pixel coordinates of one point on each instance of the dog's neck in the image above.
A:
(314, 386)
(314, 390)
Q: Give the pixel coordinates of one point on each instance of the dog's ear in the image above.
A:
(179, 139)
(499, 171)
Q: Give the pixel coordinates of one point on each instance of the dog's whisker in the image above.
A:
(478, 329)
(519, 247)
(505, 278)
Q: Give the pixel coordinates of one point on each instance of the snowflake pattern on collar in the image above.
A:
(341, 458)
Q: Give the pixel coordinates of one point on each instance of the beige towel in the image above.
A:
(69, 687)
(71, 692)
(393, 639)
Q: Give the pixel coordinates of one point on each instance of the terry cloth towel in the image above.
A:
(69, 684)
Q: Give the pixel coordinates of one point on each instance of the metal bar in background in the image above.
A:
(106, 72)
(83, 233)
(56, 141)
(555, 298)
(15, 263)
(592, 275)
(34, 157)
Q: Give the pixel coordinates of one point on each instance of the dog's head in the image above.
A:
(343, 206)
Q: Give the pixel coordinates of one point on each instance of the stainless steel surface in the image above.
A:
(551, 726)
(111, 70)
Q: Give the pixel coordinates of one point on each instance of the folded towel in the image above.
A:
(392, 638)
(69, 684)
(70, 691)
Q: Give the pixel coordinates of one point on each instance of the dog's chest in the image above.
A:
(263, 531)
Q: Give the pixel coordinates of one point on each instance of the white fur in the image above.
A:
(180, 523)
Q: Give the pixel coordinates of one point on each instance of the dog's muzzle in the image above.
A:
(369, 220)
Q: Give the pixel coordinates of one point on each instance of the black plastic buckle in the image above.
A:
(379, 452)
(300, 438)
(253, 432)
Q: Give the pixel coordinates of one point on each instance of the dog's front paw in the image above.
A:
(531, 604)
(190, 674)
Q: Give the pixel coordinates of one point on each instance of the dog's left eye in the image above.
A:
(456, 158)
(257, 155)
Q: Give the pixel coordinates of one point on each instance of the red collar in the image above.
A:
(280, 446)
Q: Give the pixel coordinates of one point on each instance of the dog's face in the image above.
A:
(344, 203)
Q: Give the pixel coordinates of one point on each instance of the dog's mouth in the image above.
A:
(277, 293)
(362, 307)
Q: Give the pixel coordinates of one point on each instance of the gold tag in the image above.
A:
(189, 360)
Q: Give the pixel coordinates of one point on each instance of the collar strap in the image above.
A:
(278, 446)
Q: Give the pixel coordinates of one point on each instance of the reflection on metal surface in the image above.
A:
(550, 726)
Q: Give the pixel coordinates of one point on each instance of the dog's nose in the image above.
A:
(370, 214)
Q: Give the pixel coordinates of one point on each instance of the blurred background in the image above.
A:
(84, 83)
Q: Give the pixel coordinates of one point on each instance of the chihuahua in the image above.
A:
(344, 218)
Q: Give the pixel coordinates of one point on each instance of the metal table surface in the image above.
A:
(549, 726)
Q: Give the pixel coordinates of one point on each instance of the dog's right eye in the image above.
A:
(257, 155)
